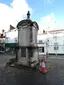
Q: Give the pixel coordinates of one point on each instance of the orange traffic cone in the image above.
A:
(43, 59)
(43, 67)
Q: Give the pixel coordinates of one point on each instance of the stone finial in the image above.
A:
(28, 15)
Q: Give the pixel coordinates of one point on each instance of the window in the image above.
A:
(41, 49)
(1, 35)
(2, 48)
(56, 46)
(23, 52)
(40, 41)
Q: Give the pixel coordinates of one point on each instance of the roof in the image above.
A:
(27, 22)
(57, 30)
(23, 23)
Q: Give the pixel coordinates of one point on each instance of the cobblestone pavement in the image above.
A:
(15, 76)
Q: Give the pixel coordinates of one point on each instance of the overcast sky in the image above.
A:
(48, 13)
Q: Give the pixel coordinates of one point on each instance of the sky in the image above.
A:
(49, 14)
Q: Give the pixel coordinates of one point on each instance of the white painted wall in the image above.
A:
(50, 40)
(11, 36)
(60, 41)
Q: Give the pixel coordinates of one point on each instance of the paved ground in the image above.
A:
(14, 76)
(5, 57)
(56, 56)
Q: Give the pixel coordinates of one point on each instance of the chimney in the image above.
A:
(11, 27)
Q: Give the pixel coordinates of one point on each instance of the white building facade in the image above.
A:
(49, 43)
(54, 42)
(11, 37)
